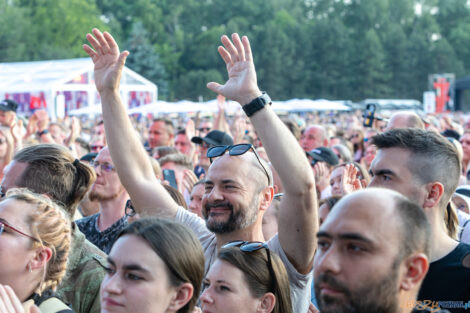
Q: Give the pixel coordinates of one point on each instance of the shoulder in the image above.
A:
(87, 222)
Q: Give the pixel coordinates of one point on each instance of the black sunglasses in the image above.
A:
(250, 246)
(129, 209)
(239, 149)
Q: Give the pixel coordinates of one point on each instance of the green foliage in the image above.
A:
(336, 49)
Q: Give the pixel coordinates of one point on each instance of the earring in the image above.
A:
(29, 268)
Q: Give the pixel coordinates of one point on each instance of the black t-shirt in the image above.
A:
(448, 280)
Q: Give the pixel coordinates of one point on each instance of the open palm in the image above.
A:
(242, 85)
(107, 59)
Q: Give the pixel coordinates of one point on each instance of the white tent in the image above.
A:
(62, 86)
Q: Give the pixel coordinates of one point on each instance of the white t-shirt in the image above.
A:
(299, 284)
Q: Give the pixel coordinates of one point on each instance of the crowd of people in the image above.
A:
(253, 212)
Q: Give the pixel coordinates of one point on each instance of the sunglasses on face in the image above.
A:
(250, 246)
(234, 150)
(4, 225)
(204, 129)
(129, 209)
(103, 166)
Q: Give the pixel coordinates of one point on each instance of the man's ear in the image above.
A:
(183, 295)
(434, 190)
(266, 196)
(40, 258)
(267, 303)
(415, 268)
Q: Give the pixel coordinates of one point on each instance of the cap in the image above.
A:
(324, 154)
(89, 157)
(214, 138)
(464, 193)
(8, 105)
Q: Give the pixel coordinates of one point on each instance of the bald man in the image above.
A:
(405, 120)
(314, 136)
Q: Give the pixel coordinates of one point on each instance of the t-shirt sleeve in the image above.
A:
(196, 224)
(300, 284)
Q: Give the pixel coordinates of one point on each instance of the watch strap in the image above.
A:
(257, 104)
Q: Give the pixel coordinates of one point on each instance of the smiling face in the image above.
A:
(226, 291)
(230, 201)
(357, 263)
(137, 279)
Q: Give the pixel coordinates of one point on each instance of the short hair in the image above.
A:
(414, 121)
(416, 230)
(434, 158)
(254, 266)
(177, 158)
(164, 150)
(50, 225)
(344, 152)
(169, 127)
(292, 126)
(185, 263)
(176, 195)
(52, 170)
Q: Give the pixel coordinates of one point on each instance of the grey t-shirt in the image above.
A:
(299, 283)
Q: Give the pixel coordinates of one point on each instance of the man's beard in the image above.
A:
(241, 219)
(379, 296)
(101, 197)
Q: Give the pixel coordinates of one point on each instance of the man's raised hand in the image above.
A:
(241, 85)
(107, 59)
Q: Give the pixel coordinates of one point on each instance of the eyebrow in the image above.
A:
(382, 172)
(345, 236)
(130, 267)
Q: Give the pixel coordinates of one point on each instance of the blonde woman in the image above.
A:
(34, 246)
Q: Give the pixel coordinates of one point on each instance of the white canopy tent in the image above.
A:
(63, 86)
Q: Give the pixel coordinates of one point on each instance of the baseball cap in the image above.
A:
(214, 138)
(8, 105)
(324, 154)
(464, 193)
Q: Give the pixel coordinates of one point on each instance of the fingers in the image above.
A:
(94, 43)
(230, 48)
(238, 44)
(122, 58)
(104, 46)
(15, 302)
(5, 303)
(110, 41)
(215, 87)
(225, 55)
(247, 47)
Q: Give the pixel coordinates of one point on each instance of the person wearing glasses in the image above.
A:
(248, 274)
(51, 169)
(35, 238)
(102, 228)
(155, 265)
(238, 184)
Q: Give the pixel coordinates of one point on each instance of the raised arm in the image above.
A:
(298, 218)
(129, 156)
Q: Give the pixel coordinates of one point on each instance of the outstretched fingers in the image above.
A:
(225, 55)
(92, 53)
(111, 42)
(230, 48)
(104, 46)
(238, 44)
(247, 47)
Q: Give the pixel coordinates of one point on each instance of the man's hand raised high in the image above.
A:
(107, 60)
(241, 85)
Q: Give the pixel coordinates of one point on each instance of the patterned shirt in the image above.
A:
(85, 270)
(105, 239)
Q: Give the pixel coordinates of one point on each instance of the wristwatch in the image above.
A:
(257, 104)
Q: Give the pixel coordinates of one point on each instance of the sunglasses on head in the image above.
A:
(4, 225)
(250, 246)
(234, 150)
